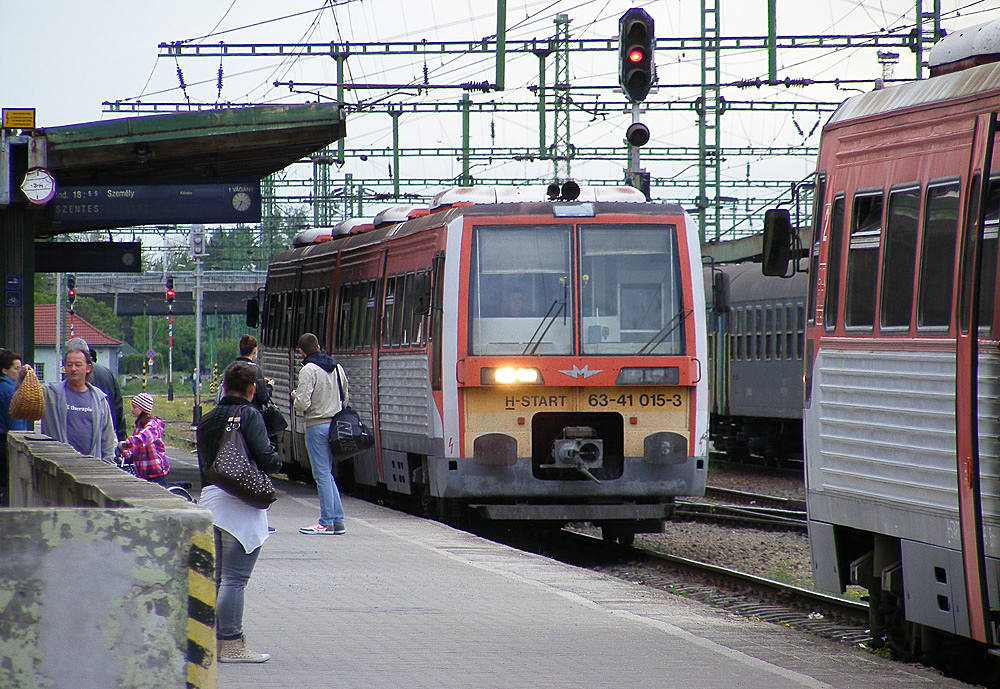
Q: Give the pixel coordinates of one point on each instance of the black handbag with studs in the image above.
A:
(234, 472)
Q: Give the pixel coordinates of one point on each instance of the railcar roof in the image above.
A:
(968, 83)
(747, 284)
(444, 217)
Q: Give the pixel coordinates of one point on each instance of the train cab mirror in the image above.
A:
(777, 249)
(421, 293)
(720, 293)
(253, 312)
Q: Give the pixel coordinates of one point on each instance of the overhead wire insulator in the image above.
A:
(483, 86)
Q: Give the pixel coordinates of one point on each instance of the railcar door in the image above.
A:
(968, 313)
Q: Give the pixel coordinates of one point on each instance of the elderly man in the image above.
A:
(76, 412)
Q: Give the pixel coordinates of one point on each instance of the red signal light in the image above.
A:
(635, 56)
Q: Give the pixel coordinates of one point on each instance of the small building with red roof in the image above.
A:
(47, 364)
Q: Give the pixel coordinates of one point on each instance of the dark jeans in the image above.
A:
(4, 488)
(233, 567)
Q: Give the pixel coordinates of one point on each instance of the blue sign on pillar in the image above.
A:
(12, 290)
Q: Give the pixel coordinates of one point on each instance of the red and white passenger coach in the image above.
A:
(523, 358)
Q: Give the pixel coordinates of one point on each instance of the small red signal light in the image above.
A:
(635, 55)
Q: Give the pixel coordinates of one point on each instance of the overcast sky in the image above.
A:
(66, 57)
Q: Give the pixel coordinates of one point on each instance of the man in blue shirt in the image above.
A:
(78, 413)
(10, 373)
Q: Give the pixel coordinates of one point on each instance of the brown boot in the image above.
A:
(236, 651)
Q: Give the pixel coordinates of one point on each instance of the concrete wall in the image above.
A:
(106, 580)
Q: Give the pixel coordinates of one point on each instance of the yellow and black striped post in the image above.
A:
(201, 665)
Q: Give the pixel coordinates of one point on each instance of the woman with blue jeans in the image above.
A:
(321, 393)
(240, 528)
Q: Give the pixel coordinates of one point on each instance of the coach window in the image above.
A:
(899, 262)
(769, 328)
(758, 354)
(937, 256)
(862, 260)
(831, 299)
(800, 332)
(734, 336)
(741, 332)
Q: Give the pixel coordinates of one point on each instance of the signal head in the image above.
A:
(635, 53)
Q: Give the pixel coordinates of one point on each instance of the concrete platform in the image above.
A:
(406, 602)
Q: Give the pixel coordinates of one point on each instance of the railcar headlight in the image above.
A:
(648, 375)
(508, 375)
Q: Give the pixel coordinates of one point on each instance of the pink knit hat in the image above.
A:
(144, 401)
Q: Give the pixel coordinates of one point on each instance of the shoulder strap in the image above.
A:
(340, 387)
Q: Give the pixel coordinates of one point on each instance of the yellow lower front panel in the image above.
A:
(509, 411)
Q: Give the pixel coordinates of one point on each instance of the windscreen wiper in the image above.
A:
(559, 306)
(663, 332)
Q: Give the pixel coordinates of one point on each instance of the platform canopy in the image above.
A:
(202, 145)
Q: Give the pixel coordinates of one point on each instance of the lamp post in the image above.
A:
(170, 337)
(198, 250)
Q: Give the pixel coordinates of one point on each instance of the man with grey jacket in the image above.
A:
(76, 412)
(318, 398)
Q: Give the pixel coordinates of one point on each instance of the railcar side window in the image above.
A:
(937, 256)
(367, 292)
(831, 299)
(989, 273)
(899, 263)
(389, 310)
(862, 260)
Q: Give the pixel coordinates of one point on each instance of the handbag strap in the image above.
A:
(226, 430)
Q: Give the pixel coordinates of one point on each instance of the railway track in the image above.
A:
(744, 509)
(737, 592)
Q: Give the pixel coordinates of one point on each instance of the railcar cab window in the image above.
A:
(937, 256)
(630, 290)
(862, 260)
(519, 290)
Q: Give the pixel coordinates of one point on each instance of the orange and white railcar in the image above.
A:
(902, 398)
(522, 358)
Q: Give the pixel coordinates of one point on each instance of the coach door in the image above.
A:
(967, 380)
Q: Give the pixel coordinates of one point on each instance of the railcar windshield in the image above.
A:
(522, 291)
(519, 291)
(630, 288)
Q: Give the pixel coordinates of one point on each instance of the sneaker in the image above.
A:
(319, 528)
(339, 530)
(270, 529)
(236, 651)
